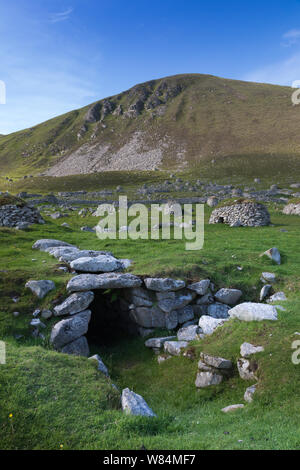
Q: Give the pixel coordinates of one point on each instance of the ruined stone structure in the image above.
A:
(241, 213)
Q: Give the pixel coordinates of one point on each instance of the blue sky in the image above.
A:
(60, 55)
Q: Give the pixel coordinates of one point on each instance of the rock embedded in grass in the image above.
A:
(265, 292)
(268, 277)
(78, 347)
(273, 254)
(100, 364)
(216, 362)
(40, 288)
(230, 408)
(46, 314)
(209, 324)
(162, 358)
(85, 228)
(134, 404)
(247, 369)
(207, 379)
(37, 323)
(248, 395)
(247, 349)
(250, 311)
(175, 348)
(277, 297)
(212, 201)
(190, 333)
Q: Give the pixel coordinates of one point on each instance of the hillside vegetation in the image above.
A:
(175, 122)
(51, 400)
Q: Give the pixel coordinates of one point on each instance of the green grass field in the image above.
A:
(57, 400)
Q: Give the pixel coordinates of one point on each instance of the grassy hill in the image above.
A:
(184, 121)
(57, 400)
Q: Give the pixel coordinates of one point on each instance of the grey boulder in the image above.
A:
(273, 254)
(216, 362)
(268, 277)
(78, 347)
(247, 349)
(100, 364)
(102, 263)
(247, 369)
(77, 302)
(200, 287)
(84, 282)
(209, 324)
(68, 330)
(230, 408)
(149, 317)
(277, 297)
(164, 284)
(190, 333)
(218, 310)
(250, 311)
(228, 296)
(175, 348)
(207, 379)
(45, 243)
(185, 314)
(248, 395)
(265, 292)
(168, 301)
(158, 342)
(134, 404)
(40, 288)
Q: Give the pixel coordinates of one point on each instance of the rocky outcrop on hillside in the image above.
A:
(172, 108)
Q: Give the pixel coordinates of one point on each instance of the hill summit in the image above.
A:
(171, 123)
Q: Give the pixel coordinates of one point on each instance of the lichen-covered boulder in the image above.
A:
(251, 311)
(66, 331)
(78, 347)
(75, 303)
(40, 288)
(134, 404)
(84, 282)
(164, 284)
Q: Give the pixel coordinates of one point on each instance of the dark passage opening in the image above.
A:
(110, 321)
(221, 220)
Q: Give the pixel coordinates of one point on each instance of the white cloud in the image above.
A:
(62, 16)
(291, 37)
(279, 73)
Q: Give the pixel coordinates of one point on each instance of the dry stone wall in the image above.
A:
(247, 214)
